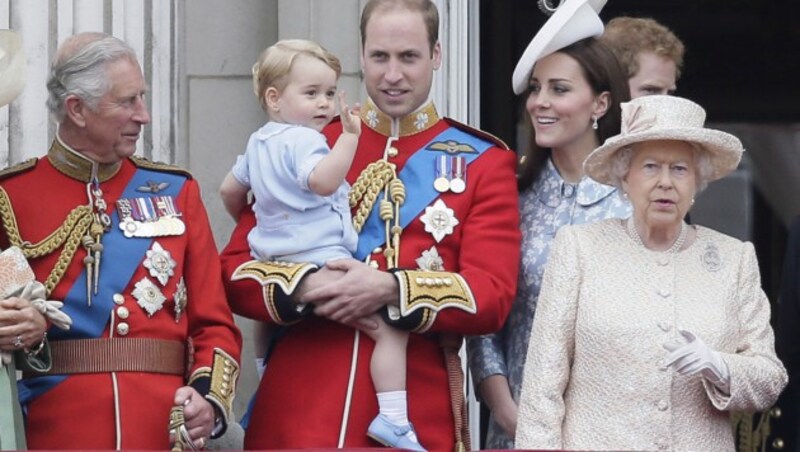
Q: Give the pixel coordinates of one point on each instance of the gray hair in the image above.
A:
(620, 164)
(79, 68)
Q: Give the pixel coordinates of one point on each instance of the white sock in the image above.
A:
(393, 405)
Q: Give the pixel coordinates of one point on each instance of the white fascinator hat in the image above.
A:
(573, 20)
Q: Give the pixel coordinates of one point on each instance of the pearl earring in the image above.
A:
(594, 122)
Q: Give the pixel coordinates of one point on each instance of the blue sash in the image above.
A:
(417, 175)
(121, 256)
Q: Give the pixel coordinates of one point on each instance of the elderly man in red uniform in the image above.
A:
(435, 204)
(126, 245)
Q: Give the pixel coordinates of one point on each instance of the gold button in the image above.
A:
(123, 329)
(777, 443)
(377, 250)
(118, 298)
(122, 312)
(393, 152)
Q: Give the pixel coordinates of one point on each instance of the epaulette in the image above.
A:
(479, 133)
(21, 167)
(142, 162)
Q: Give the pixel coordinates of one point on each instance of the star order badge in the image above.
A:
(160, 263)
(430, 260)
(180, 300)
(439, 220)
(148, 296)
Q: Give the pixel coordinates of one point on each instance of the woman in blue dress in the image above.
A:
(573, 97)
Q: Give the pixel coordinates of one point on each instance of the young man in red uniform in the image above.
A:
(435, 204)
(126, 245)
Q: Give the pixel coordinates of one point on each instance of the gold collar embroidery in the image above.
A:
(422, 119)
(71, 163)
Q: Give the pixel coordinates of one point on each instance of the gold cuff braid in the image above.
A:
(286, 275)
(224, 374)
(433, 290)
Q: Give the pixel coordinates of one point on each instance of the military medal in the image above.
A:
(148, 296)
(180, 299)
(430, 260)
(439, 220)
(441, 180)
(154, 216)
(459, 182)
(160, 263)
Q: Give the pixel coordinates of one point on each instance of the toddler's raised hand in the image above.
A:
(351, 121)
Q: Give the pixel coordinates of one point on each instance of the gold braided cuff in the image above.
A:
(420, 321)
(224, 374)
(433, 290)
(286, 276)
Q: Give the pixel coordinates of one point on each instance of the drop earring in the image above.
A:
(594, 122)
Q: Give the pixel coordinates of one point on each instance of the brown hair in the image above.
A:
(603, 73)
(275, 63)
(428, 10)
(629, 36)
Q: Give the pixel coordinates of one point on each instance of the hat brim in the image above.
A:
(12, 67)
(555, 35)
(724, 149)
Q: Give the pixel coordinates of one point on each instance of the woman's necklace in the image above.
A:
(634, 233)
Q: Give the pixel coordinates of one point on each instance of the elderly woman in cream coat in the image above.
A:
(649, 330)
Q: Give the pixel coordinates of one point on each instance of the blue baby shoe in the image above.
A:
(385, 432)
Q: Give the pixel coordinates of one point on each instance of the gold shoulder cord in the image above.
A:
(68, 234)
(380, 175)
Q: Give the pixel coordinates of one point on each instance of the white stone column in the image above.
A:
(29, 124)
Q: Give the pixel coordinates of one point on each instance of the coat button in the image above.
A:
(664, 292)
(123, 329)
(664, 326)
(662, 405)
(122, 312)
(118, 298)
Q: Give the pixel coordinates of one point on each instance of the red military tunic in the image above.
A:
(128, 410)
(303, 395)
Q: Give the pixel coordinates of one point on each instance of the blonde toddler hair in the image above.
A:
(275, 63)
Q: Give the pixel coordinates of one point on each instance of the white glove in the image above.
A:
(695, 356)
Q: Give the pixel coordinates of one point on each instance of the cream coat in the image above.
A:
(594, 376)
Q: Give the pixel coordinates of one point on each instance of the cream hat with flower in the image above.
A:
(651, 118)
(12, 66)
(573, 20)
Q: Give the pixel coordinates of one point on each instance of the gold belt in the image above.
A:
(84, 356)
